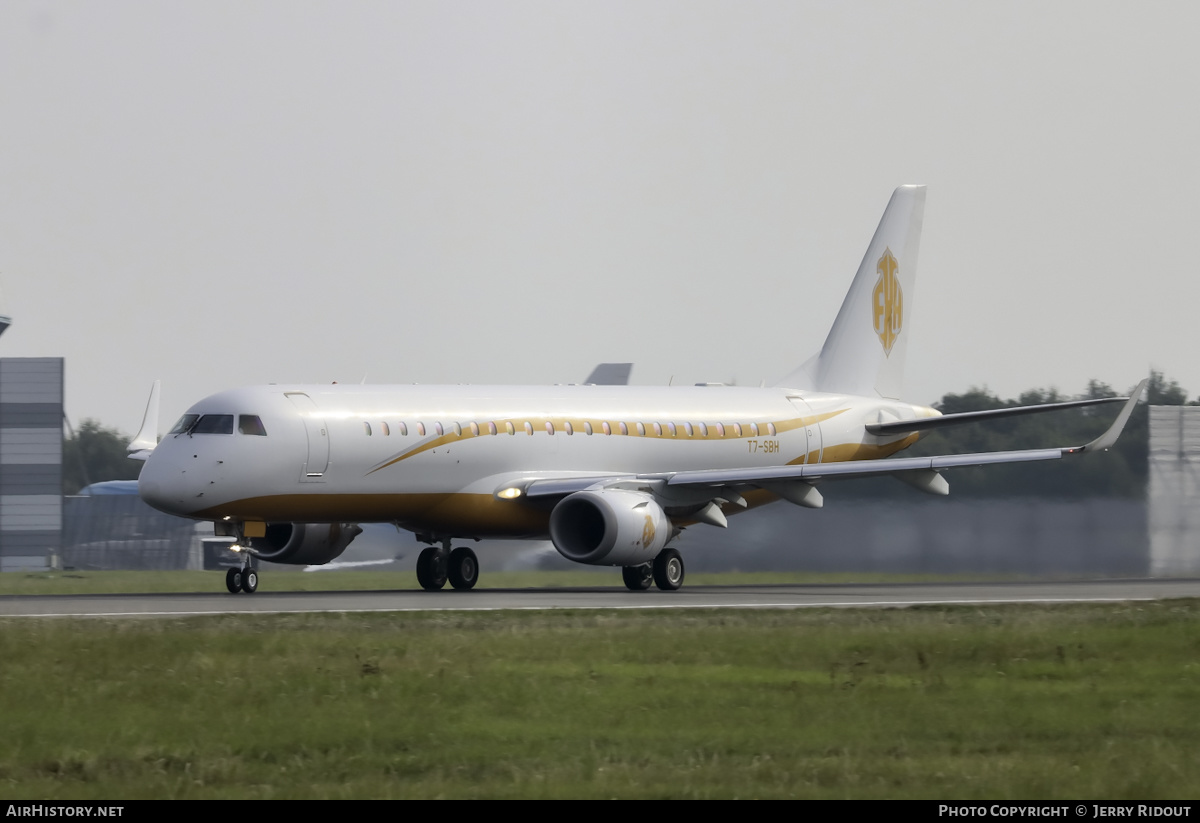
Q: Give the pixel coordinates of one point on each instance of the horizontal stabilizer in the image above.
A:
(610, 374)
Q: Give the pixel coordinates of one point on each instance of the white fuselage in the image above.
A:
(432, 458)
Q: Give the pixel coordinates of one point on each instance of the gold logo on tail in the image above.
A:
(648, 531)
(887, 302)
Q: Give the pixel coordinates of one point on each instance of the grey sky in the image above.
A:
(227, 193)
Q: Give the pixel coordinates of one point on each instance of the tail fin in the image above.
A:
(864, 352)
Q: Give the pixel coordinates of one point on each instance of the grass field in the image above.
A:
(1078, 701)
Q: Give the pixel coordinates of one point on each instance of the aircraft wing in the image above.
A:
(772, 476)
(928, 423)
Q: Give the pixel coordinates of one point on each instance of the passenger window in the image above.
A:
(421, 429)
(568, 428)
(703, 429)
(437, 427)
(771, 428)
(403, 429)
(737, 429)
(529, 428)
(607, 428)
(458, 430)
(671, 428)
(491, 427)
(251, 424)
(720, 429)
(367, 428)
(687, 427)
(214, 424)
(641, 430)
(587, 427)
(474, 429)
(387, 432)
(754, 430)
(549, 427)
(624, 429)
(657, 430)
(508, 427)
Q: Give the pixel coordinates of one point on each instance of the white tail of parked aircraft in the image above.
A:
(612, 474)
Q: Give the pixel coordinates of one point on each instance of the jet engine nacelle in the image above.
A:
(304, 544)
(609, 527)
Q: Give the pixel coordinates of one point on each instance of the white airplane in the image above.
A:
(611, 474)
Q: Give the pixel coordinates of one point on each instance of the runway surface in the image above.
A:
(690, 597)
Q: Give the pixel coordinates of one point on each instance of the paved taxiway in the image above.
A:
(776, 597)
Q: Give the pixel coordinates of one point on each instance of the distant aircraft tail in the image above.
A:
(864, 352)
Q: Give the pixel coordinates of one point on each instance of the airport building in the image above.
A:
(31, 425)
(1174, 490)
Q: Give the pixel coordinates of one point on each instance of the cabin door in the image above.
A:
(317, 460)
(812, 430)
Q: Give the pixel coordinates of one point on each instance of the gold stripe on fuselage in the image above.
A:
(578, 426)
(848, 452)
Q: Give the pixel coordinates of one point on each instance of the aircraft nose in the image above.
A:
(162, 489)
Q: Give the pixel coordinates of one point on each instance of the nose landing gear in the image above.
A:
(244, 579)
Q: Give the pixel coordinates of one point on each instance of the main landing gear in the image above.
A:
(666, 572)
(244, 579)
(437, 564)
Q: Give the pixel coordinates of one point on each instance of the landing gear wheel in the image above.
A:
(637, 578)
(249, 581)
(233, 580)
(464, 569)
(668, 570)
(431, 569)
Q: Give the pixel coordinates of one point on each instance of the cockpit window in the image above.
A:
(251, 424)
(213, 424)
(185, 423)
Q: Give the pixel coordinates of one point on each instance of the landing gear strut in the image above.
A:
(437, 564)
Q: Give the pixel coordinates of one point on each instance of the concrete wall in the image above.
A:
(1024, 536)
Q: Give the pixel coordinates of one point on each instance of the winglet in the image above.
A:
(1109, 438)
(147, 437)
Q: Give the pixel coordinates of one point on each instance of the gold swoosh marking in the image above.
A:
(578, 427)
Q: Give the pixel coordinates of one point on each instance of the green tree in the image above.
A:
(1160, 392)
(94, 454)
